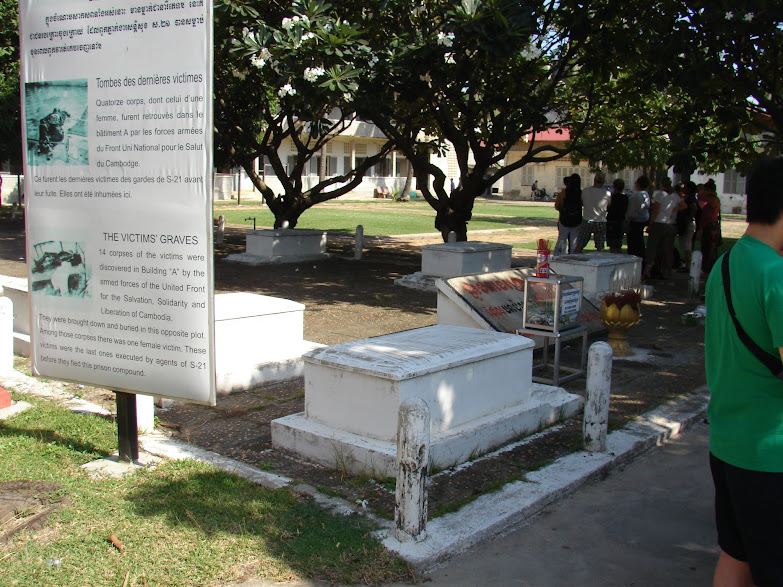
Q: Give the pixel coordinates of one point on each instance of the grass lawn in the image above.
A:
(182, 523)
(386, 217)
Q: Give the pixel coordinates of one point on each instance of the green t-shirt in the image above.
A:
(746, 400)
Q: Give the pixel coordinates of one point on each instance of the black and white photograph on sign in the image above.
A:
(60, 269)
(56, 119)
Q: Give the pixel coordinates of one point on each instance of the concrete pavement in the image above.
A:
(649, 523)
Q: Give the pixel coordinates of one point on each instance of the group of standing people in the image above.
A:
(686, 212)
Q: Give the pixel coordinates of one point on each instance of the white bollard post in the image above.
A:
(694, 279)
(6, 336)
(413, 448)
(452, 237)
(599, 383)
(221, 229)
(145, 413)
(359, 244)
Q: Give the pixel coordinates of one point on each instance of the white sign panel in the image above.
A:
(117, 110)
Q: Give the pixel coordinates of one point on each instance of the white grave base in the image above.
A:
(477, 385)
(602, 272)
(290, 245)
(258, 339)
(15, 289)
(456, 259)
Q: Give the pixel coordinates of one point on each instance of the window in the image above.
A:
(331, 166)
(371, 172)
(265, 167)
(733, 182)
(583, 172)
(528, 174)
(384, 167)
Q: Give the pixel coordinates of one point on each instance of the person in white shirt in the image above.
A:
(595, 202)
(663, 214)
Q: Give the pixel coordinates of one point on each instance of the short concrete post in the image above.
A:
(452, 237)
(14, 211)
(221, 229)
(357, 251)
(6, 336)
(599, 383)
(413, 448)
(694, 279)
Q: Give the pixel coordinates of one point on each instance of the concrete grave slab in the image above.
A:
(602, 272)
(477, 385)
(258, 339)
(446, 260)
(15, 289)
(284, 245)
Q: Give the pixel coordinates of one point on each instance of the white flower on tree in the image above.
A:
(445, 39)
(311, 74)
(286, 90)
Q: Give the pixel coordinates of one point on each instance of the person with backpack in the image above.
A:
(569, 204)
(742, 358)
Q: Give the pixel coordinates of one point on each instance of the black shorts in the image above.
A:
(749, 517)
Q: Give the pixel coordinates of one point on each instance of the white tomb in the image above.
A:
(15, 289)
(284, 245)
(477, 385)
(602, 272)
(258, 339)
(444, 260)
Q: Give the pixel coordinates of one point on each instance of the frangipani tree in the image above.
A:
(487, 76)
(288, 73)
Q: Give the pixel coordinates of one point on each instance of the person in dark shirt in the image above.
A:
(615, 217)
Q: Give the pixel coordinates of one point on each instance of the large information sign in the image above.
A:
(117, 110)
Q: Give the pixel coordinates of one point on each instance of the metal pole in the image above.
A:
(127, 427)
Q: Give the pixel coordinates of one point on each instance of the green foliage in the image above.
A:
(10, 107)
(288, 74)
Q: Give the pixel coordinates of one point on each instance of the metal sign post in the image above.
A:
(127, 427)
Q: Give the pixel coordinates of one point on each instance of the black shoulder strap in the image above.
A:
(772, 362)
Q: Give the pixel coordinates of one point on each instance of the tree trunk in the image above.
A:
(406, 190)
(322, 165)
(454, 216)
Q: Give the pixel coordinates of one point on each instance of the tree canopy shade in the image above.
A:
(10, 106)
(711, 89)
(488, 76)
(287, 72)
(731, 67)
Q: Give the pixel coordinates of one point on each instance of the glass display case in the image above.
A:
(553, 303)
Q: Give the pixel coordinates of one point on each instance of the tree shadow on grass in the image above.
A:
(54, 437)
(288, 526)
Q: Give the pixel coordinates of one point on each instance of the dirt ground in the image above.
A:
(348, 300)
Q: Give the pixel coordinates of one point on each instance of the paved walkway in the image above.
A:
(648, 524)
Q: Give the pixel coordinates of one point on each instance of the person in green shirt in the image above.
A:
(746, 400)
